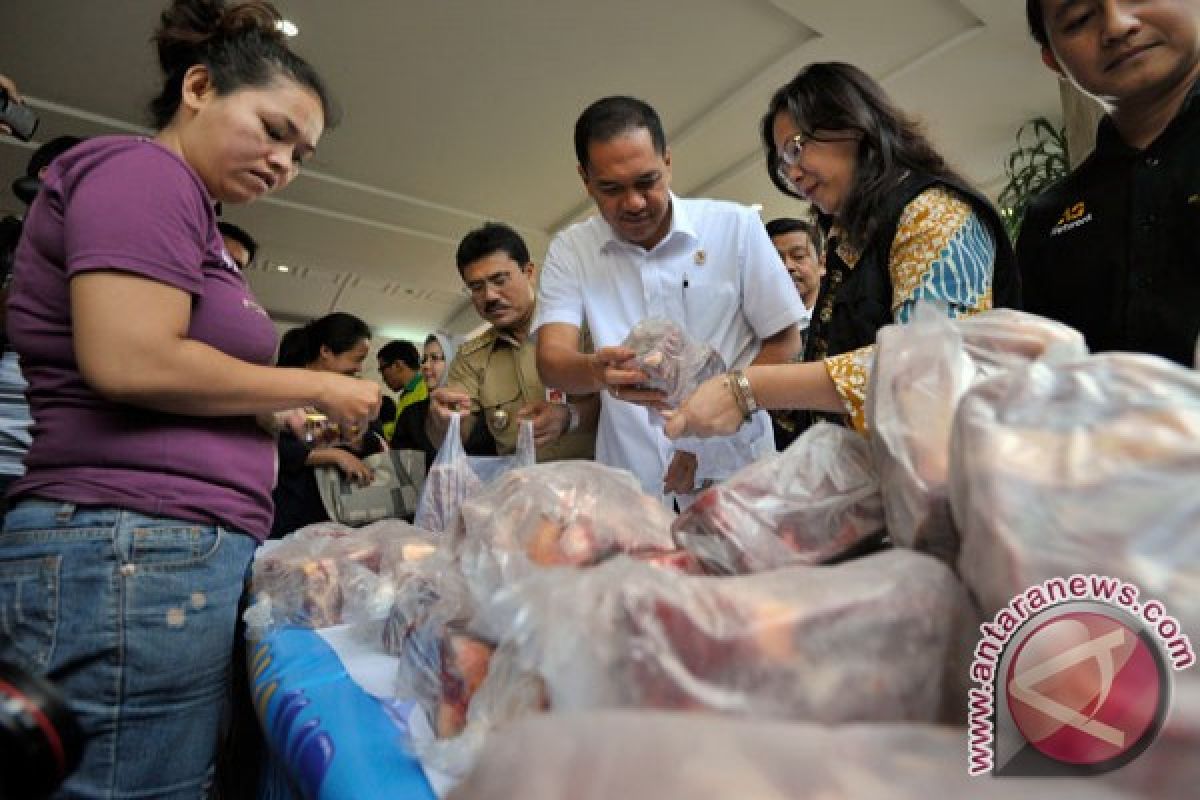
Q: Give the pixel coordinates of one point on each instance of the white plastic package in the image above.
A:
(1086, 467)
(920, 372)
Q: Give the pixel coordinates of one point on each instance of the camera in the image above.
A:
(17, 116)
(40, 741)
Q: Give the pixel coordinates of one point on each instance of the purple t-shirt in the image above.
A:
(129, 204)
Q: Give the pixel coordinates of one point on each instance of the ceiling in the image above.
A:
(461, 111)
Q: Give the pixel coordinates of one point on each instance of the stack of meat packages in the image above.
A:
(772, 597)
(839, 582)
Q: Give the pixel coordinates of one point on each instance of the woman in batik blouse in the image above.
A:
(903, 229)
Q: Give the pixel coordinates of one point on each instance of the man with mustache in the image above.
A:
(707, 265)
(1112, 249)
(495, 374)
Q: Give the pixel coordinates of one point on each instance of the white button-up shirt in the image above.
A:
(715, 273)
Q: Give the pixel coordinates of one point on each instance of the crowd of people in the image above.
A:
(146, 457)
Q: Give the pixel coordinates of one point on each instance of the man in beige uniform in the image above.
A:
(495, 374)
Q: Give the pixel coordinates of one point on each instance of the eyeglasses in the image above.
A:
(791, 151)
(425, 359)
(497, 280)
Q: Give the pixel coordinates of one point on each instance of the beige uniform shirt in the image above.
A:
(501, 377)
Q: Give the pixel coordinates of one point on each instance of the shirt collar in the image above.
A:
(412, 385)
(1109, 141)
(681, 225)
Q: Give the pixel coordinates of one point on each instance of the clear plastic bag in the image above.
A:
(920, 374)
(674, 363)
(817, 500)
(569, 513)
(506, 693)
(327, 574)
(644, 755)
(677, 365)
(1088, 467)
(454, 476)
(870, 639)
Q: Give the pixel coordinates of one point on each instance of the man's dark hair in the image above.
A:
(399, 350)
(609, 117)
(494, 237)
(1037, 22)
(241, 45)
(784, 225)
(338, 331)
(231, 231)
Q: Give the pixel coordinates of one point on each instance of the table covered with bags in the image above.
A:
(541, 629)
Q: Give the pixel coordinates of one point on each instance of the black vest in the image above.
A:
(855, 303)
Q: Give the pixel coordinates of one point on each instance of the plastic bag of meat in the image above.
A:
(505, 693)
(920, 373)
(812, 503)
(441, 662)
(678, 365)
(645, 755)
(454, 476)
(1090, 467)
(673, 362)
(564, 514)
(326, 574)
(870, 639)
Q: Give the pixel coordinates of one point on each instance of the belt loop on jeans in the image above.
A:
(64, 513)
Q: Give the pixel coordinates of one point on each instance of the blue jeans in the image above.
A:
(133, 617)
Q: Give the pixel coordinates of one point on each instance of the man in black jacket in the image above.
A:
(1112, 249)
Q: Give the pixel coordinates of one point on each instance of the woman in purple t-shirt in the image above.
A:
(148, 360)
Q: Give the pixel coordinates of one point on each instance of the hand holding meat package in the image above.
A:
(870, 639)
(1086, 467)
(920, 373)
(812, 503)
(454, 476)
(327, 574)
(674, 363)
(677, 365)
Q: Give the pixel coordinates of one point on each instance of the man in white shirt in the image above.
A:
(706, 264)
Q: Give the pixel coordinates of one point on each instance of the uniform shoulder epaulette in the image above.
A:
(481, 341)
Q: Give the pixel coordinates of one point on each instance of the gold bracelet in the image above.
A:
(743, 393)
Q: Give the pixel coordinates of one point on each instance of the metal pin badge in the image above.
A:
(700, 258)
(500, 419)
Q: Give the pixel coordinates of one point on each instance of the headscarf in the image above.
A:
(449, 348)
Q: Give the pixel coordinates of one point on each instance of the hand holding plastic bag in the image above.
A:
(455, 476)
(674, 363)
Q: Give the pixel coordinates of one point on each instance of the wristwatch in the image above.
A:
(572, 419)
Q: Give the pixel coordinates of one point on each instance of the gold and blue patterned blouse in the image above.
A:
(943, 252)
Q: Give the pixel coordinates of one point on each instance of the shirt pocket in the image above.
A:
(709, 303)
